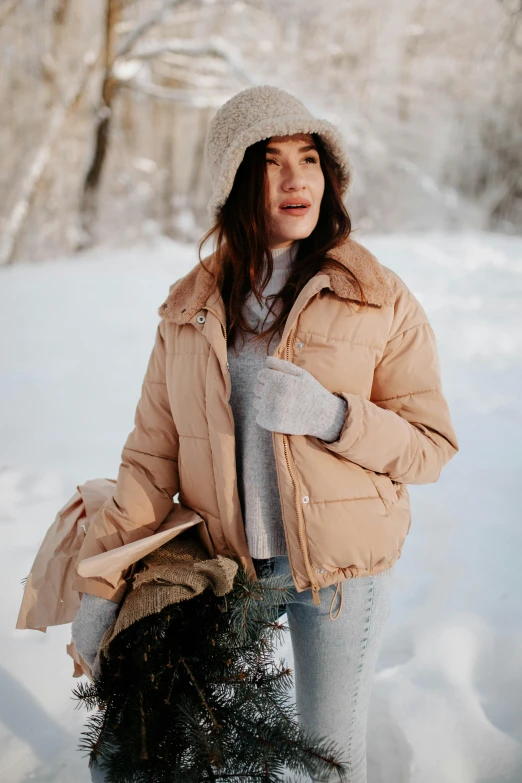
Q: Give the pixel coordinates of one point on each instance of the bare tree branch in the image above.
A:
(193, 98)
(495, 195)
(189, 73)
(153, 20)
(215, 46)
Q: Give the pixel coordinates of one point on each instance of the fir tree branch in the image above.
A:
(143, 752)
(201, 695)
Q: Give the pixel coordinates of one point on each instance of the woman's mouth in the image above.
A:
(295, 210)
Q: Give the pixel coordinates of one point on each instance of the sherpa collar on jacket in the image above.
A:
(188, 294)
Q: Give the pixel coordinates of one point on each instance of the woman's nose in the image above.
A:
(293, 180)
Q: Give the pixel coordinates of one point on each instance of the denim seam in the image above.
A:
(364, 645)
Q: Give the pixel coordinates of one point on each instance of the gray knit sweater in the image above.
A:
(256, 470)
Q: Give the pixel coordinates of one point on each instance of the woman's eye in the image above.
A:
(310, 158)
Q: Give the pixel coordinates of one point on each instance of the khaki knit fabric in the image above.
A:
(175, 572)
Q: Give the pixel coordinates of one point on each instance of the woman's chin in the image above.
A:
(298, 230)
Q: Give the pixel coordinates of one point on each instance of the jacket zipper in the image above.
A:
(300, 519)
(224, 328)
(290, 465)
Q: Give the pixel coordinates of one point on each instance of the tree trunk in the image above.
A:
(90, 191)
(6, 9)
(168, 180)
(59, 114)
(60, 11)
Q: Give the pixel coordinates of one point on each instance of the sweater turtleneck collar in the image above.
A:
(283, 256)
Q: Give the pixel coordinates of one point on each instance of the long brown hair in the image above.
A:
(243, 257)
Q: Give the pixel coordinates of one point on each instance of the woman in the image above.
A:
(292, 393)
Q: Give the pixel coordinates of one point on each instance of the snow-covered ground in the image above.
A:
(75, 336)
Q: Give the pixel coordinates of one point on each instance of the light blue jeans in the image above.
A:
(334, 660)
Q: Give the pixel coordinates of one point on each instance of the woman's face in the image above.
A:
(293, 176)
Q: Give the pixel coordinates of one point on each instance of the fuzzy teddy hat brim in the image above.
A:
(258, 113)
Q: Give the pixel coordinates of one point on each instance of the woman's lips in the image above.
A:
(295, 211)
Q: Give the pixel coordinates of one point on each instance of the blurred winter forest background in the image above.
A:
(105, 106)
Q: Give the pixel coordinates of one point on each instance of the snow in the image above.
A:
(75, 335)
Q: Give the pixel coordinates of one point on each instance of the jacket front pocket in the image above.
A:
(385, 487)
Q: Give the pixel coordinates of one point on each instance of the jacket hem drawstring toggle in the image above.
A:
(339, 586)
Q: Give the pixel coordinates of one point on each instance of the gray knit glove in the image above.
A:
(92, 620)
(289, 399)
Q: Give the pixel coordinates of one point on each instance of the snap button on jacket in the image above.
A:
(345, 504)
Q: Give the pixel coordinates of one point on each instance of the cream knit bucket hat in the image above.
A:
(259, 113)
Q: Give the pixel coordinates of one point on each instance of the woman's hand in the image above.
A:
(289, 399)
(92, 620)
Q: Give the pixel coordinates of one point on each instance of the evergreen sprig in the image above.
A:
(193, 695)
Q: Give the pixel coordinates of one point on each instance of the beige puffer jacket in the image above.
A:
(345, 504)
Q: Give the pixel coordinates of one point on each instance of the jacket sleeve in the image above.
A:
(147, 478)
(404, 430)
